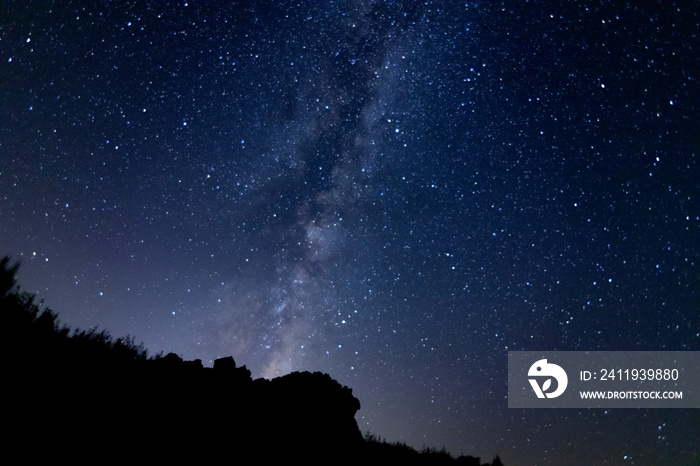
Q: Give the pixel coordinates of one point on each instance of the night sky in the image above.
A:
(394, 193)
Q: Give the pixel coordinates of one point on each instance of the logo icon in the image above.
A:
(551, 371)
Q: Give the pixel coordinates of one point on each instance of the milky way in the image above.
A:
(396, 194)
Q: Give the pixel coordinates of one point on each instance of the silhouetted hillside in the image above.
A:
(86, 396)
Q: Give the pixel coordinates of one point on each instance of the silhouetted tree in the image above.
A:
(496, 461)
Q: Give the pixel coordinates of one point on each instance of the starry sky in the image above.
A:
(395, 193)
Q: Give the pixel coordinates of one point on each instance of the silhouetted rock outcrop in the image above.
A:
(225, 364)
(85, 393)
